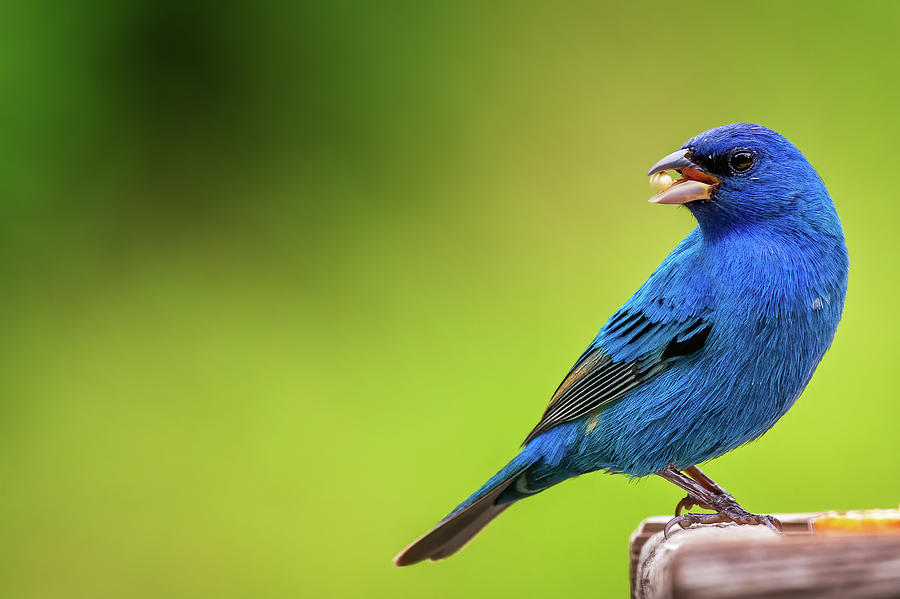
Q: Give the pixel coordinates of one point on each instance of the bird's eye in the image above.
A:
(741, 161)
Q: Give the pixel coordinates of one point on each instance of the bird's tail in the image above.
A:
(471, 515)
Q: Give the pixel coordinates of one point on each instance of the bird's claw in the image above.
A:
(727, 510)
(690, 501)
(771, 522)
(685, 521)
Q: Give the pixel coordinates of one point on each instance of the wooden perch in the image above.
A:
(752, 561)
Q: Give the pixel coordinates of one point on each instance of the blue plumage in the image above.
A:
(709, 352)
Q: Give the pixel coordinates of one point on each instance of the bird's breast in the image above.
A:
(777, 308)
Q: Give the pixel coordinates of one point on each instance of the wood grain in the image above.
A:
(743, 562)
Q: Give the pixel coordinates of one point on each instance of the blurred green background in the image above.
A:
(284, 283)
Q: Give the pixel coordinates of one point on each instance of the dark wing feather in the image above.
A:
(598, 379)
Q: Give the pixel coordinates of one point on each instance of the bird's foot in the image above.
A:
(690, 501)
(727, 510)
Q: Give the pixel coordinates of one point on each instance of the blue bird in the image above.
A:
(709, 352)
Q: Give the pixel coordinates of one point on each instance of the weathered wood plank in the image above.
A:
(794, 524)
(750, 561)
(857, 567)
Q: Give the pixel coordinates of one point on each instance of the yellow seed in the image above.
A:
(661, 181)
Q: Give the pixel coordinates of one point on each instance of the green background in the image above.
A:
(283, 284)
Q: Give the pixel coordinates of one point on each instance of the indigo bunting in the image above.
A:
(709, 352)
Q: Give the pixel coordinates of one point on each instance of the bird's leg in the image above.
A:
(704, 492)
(698, 495)
(704, 480)
(691, 500)
(725, 503)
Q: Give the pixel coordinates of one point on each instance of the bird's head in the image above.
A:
(743, 175)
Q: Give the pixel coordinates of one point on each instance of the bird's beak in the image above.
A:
(696, 183)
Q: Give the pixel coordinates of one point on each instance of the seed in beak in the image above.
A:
(662, 181)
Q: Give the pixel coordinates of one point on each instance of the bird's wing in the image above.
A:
(649, 347)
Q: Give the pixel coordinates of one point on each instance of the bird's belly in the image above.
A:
(741, 384)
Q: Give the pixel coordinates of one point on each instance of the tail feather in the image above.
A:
(451, 534)
(471, 516)
(538, 466)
